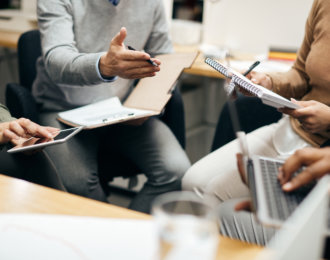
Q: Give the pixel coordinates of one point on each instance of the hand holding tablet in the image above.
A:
(37, 143)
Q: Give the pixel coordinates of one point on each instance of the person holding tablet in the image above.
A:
(36, 167)
(307, 81)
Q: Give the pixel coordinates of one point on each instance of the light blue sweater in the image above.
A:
(75, 33)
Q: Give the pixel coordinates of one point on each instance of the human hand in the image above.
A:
(314, 116)
(261, 79)
(128, 64)
(317, 162)
(241, 167)
(20, 130)
(244, 205)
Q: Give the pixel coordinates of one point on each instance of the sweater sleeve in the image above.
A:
(5, 114)
(295, 82)
(159, 41)
(63, 61)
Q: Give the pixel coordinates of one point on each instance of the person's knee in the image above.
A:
(191, 180)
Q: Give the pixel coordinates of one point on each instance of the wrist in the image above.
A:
(104, 69)
(101, 70)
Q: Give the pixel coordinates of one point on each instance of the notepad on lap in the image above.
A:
(268, 97)
(147, 99)
(105, 112)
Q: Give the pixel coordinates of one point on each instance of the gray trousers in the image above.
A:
(242, 225)
(37, 168)
(152, 147)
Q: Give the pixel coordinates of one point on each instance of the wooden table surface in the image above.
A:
(18, 196)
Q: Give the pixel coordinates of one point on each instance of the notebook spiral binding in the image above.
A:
(215, 65)
(246, 85)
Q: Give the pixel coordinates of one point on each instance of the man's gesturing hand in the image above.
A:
(119, 61)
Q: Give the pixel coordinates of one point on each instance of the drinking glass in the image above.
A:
(187, 227)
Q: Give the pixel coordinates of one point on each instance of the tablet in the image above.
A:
(37, 143)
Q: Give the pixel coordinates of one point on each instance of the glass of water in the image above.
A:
(187, 227)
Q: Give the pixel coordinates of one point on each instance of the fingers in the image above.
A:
(241, 168)
(51, 130)
(288, 111)
(25, 128)
(316, 162)
(305, 110)
(244, 205)
(129, 55)
(261, 79)
(120, 37)
(310, 173)
(9, 136)
(295, 162)
(33, 129)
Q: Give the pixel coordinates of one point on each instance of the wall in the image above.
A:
(254, 25)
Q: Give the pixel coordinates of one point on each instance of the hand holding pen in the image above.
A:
(149, 60)
(251, 68)
(232, 88)
(119, 61)
(259, 78)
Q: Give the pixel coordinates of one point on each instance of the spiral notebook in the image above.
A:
(268, 97)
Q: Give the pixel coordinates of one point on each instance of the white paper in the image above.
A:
(264, 66)
(102, 112)
(54, 237)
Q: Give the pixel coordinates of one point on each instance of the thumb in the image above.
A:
(120, 37)
(303, 103)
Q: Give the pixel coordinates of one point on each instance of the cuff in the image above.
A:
(110, 79)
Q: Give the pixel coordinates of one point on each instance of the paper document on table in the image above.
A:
(53, 237)
(103, 112)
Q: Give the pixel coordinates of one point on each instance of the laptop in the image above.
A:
(302, 235)
(270, 203)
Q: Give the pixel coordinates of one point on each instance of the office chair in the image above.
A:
(252, 114)
(21, 103)
(19, 99)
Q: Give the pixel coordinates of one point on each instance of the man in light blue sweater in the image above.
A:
(85, 60)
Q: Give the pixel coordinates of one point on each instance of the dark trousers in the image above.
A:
(36, 168)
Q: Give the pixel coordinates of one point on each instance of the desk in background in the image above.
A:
(18, 196)
(12, 24)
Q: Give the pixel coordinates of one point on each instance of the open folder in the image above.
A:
(147, 99)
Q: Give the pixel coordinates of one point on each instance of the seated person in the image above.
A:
(243, 224)
(34, 167)
(79, 67)
(307, 126)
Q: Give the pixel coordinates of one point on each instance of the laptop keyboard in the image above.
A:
(280, 204)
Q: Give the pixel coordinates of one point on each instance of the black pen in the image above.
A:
(251, 67)
(150, 61)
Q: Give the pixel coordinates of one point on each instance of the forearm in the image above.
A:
(290, 84)
(67, 67)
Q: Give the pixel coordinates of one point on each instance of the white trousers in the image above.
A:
(217, 174)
